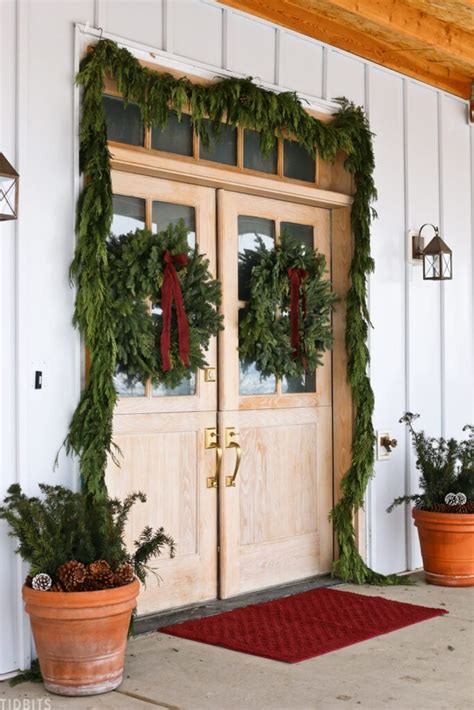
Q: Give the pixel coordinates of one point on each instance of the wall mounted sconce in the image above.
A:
(9, 185)
(437, 257)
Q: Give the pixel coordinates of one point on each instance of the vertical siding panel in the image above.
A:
(387, 308)
(424, 329)
(301, 64)
(195, 30)
(143, 24)
(8, 591)
(345, 77)
(251, 47)
(458, 296)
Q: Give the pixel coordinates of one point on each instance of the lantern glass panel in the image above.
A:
(8, 197)
(447, 266)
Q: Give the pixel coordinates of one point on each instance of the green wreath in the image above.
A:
(266, 336)
(136, 275)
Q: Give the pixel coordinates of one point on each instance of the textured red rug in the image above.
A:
(299, 627)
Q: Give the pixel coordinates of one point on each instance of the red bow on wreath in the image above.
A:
(170, 290)
(297, 277)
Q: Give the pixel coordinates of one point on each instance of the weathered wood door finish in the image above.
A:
(161, 434)
(274, 524)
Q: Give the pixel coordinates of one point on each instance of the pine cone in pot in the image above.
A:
(71, 576)
(123, 575)
(99, 576)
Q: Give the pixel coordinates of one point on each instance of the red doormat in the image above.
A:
(296, 628)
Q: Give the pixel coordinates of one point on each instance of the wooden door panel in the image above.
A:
(161, 439)
(274, 523)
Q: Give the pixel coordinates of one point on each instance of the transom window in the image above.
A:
(234, 147)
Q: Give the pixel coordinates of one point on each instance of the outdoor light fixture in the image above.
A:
(9, 183)
(437, 256)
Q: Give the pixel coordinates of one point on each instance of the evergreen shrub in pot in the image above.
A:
(82, 586)
(444, 509)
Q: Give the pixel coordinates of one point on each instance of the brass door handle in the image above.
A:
(230, 433)
(210, 442)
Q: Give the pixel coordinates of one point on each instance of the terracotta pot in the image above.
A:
(80, 637)
(447, 547)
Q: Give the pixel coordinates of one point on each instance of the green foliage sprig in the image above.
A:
(236, 101)
(63, 525)
(264, 335)
(446, 466)
(136, 273)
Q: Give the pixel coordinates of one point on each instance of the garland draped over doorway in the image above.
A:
(236, 101)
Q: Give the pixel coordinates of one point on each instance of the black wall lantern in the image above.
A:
(437, 256)
(9, 184)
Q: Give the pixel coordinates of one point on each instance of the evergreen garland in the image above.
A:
(235, 101)
(264, 333)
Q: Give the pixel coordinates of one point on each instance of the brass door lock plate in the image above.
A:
(385, 445)
(210, 374)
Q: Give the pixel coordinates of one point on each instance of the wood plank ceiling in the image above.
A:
(430, 40)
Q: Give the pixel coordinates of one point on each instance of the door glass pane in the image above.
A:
(125, 389)
(250, 380)
(301, 233)
(297, 162)
(128, 214)
(124, 125)
(222, 148)
(185, 388)
(305, 383)
(251, 230)
(253, 157)
(176, 137)
(166, 213)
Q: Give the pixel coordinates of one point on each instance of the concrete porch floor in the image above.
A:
(425, 666)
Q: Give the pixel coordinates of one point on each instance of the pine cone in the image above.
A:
(99, 576)
(57, 587)
(72, 575)
(42, 582)
(28, 580)
(123, 575)
(445, 508)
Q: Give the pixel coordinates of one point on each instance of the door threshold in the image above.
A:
(153, 622)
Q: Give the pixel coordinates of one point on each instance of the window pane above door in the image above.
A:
(128, 214)
(175, 137)
(222, 148)
(252, 230)
(166, 213)
(253, 156)
(297, 162)
(124, 125)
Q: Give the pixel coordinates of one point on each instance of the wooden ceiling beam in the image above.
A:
(394, 20)
(298, 15)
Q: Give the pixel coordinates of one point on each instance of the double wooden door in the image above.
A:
(238, 469)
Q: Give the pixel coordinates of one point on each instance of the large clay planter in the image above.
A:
(80, 637)
(447, 547)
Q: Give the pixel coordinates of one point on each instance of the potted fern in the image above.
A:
(82, 585)
(444, 509)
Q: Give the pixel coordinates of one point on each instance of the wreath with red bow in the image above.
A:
(286, 325)
(164, 305)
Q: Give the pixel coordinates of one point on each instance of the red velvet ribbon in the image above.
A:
(297, 277)
(170, 290)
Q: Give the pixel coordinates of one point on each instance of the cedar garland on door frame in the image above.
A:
(235, 101)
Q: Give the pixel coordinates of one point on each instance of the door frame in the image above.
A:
(338, 200)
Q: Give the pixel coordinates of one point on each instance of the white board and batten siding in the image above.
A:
(422, 341)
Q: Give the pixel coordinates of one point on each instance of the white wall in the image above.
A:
(422, 342)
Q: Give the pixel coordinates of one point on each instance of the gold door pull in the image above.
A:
(230, 443)
(210, 442)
